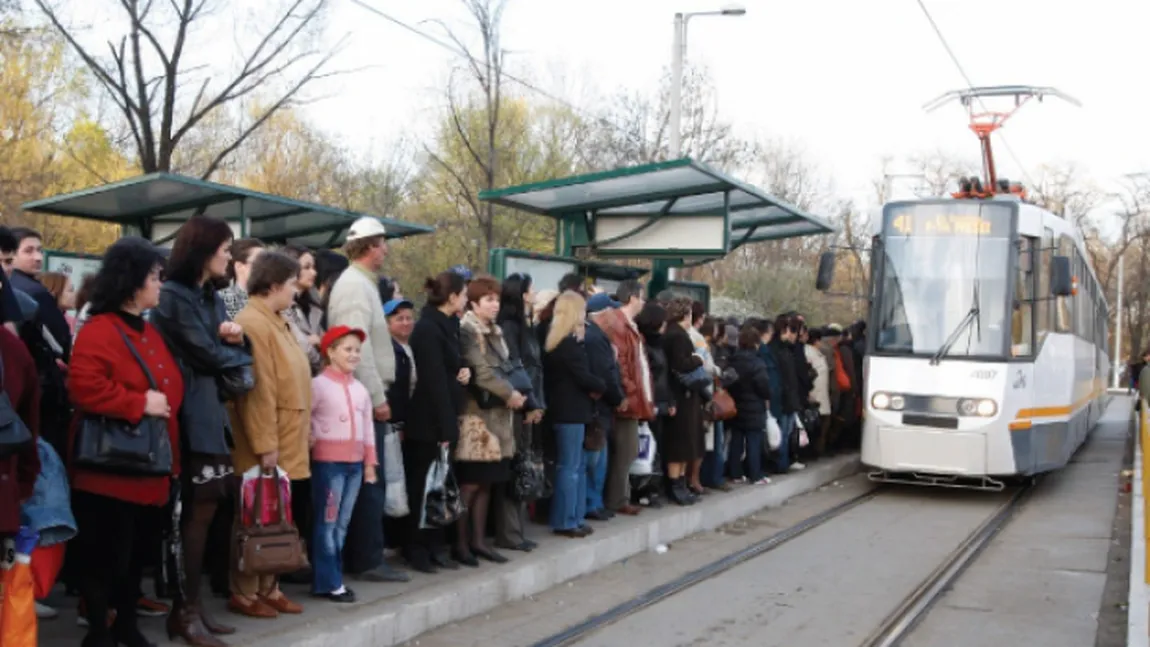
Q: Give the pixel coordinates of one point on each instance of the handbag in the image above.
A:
(722, 404)
(528, 477)
(105, 444)
(595, 437)
(442, 505)
(267, 549)
(236, 381)
(516, 376)
(14, 434)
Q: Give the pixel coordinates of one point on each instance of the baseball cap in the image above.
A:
(601, 301)
(390, 307)
(365, 227)
(335, 333)
(461, 270)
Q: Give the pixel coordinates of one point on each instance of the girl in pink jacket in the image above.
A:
(343, 455)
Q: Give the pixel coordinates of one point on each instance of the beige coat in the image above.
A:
(276, 414)
(483, 351)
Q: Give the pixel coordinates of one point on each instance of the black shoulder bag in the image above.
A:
(114, 446)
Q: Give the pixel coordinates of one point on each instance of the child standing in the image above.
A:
(343, 455)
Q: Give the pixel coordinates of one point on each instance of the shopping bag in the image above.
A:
(46, 564)
(442, 505)
(774, 433)
(644, 463)
(269, 502)
(18, 607)
(395, 485)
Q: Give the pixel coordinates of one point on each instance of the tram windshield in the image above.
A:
(944, 275)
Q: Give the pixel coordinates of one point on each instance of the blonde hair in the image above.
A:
(570, 313)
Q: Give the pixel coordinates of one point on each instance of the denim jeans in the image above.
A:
(569, 503)
(596, 478)
(715, 462)
(781, 461)
(750, 440)
(365, 542)
(334, 489)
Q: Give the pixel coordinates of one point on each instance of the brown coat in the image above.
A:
(634, 372)
(275, 415)
(483, 351)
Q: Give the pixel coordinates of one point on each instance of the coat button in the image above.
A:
(151, 351)
(343, 418)
(160, 366)
(165, 381)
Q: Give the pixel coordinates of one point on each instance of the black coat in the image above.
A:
(48, 314)
(439, 398)
(570, 383)
(792, 392)
(399, 393)
(601, 358)
(524, 345)
(657, 364)
(189, 319)
(750, 391)
(683, 432)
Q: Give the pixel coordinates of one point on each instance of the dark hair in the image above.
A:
(269, 270)
(763, 326)
(511, 304)
(750, 338)
(710, 327)
(8, 242)
(650, 319)
(328, 266)
(84, 294)
(698, 311)
(814, 334)
(197, 241)
(573, 282)
(242, 251)
(665, 297)
(22, 234)
(444, 286)
(123, 271)
(677, 309)
(386, 289)
(785, 323)
(627, 289)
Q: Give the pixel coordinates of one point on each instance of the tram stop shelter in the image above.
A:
(155, 205)
(546, 270)
(676, 213)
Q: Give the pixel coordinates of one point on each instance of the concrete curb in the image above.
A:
(394, 620)
(1137, 611)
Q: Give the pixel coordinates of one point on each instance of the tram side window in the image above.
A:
(1044, 313)
(1022, 319)
(1063, 310)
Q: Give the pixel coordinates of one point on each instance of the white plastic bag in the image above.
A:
(395, 485)
(774, 433)
(804, 440)
(644, 463)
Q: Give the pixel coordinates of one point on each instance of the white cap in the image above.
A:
(365, 227)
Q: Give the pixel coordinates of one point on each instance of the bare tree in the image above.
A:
(485, 69)
(147, 78)
(941, 170)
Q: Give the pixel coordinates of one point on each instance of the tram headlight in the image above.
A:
(897, 402)
(880, 400)
(980, 407)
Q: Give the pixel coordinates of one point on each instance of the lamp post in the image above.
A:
(678, 53)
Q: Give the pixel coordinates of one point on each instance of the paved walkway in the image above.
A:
(393, 613)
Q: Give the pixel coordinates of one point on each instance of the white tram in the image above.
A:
(986, 344)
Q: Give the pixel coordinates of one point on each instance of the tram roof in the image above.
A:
(682, 187)
(173, 198)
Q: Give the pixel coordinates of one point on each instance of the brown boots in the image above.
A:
(188, 621)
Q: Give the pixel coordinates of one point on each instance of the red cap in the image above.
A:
(335, 334)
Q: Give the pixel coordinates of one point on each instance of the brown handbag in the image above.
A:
(273, 549)
(722, 404)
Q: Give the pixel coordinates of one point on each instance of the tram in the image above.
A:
(987, 335)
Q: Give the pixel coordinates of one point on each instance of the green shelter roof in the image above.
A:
(173, 198)
(681, 187)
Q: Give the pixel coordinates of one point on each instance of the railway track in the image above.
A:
(889, 633)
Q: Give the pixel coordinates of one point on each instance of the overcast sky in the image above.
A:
(846, 79)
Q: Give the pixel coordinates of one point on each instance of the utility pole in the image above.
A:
(1118, 324)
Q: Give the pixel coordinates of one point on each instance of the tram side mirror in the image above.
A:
(826, 274)
(1061, 283)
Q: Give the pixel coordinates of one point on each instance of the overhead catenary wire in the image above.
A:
(463, 53)
(970, 84)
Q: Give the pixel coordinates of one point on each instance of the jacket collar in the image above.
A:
(261, 306)
(338, 377)
(472, 322)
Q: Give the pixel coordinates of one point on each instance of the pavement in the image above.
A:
(391, 614)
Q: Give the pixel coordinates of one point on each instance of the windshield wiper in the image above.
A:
(972, 316)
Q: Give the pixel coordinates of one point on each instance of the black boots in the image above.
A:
(679, 492)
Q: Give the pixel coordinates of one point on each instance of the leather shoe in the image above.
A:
(442, 560)
(488, 554)
(630, 510)
(597, 515)
(251, 608)
(282, 604)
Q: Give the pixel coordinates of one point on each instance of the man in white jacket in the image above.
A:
(355, 302)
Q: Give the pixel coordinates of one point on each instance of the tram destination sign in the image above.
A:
(947, 220)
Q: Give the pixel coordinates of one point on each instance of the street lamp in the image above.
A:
(679, 53)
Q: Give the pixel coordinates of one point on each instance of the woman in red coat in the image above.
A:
(18, 470)
(118, 515)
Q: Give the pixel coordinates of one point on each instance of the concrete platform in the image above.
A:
(391, 614)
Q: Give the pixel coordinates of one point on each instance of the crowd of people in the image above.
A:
(313, 367)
